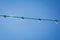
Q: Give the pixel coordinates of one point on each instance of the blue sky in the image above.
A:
(16, 29)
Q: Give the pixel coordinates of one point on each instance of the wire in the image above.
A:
(5, 16)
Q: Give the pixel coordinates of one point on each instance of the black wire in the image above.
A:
(30, 18)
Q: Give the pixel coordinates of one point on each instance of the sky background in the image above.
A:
(17, 29)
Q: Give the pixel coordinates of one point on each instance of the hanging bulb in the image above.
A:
(39, 20)
(4, 17)
(22, 18)
(56, 21)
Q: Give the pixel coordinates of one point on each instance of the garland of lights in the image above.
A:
(5, 16)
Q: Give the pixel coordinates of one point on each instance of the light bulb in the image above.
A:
(4, 17)
(56, 21)
(22, 18)
(39, 20)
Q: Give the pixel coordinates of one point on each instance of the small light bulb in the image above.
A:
(22, 18)
(56, 21)
(4, 17)
(39, 20)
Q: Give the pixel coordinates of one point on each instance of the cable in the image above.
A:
(5, 16)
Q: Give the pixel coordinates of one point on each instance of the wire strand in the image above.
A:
(30, 18)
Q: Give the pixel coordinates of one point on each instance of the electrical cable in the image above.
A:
(5, 16)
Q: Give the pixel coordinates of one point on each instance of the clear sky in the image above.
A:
(16, 29)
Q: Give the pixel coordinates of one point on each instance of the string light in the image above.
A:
(22, 18)
(56, 21)
(39, 19)
(4, 17)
